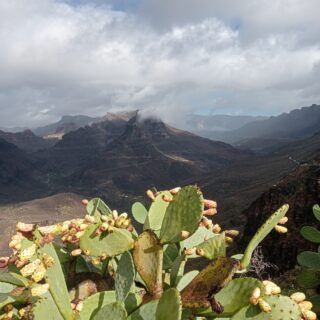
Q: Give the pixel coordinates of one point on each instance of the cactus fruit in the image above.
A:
(281, 229)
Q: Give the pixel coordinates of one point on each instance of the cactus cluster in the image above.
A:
(309, 278)
(126, 275)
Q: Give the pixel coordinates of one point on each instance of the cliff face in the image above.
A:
(301, 190)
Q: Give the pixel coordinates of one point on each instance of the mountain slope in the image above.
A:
(276, 131)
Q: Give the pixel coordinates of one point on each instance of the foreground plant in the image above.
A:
(99, 267)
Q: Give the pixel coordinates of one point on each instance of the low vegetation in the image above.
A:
(100, 267)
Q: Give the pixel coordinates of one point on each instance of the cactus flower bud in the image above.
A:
(283, 220)
(27, 253)
(79, 234)
(150, 195)
(190, 251)
(264, 305)
(47, 260)
(306, 305)
(206, 238)
(39, 273)
(175, 190)
(29, 269)
(276, 290)
(115, 214)
(229, 240)
(96, 261)
(308, 315)
(104, 226)
(39, 289)
(210, 204)
(76, 252)
(255, 295)
(79, 306)
(124, 215)
(4, 261)
(86, 252)
(216, 228)
(268, 289)
(24, 227)
(166, 198)
(85, 202)
(231, 233)
(200, 252)
(210, 212)
(298, 297)
(89, 219)
(281, 229)
(184, 234)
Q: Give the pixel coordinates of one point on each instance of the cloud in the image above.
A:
(165, 57)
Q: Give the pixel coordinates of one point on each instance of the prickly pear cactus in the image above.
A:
(98, 267)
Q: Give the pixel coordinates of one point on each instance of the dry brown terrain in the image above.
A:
(62, 206)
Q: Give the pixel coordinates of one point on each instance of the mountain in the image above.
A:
(64, 125)
(26, 140)
(19, 174)
(272, 133)
(211, 126)
(301, 190)
(119, 159)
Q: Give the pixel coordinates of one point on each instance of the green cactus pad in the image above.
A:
(148, 259)
(97, 207)
(235, 296)
(186, 279)
(311, 234)
(13, 278)
(169, 307)
(94, 303)
(183, 214)
(283, 308)
(157, 211)
(263, 231)
(45, 308)
(214, 247)
(177, 269)
(145, 312)
(308, 279)
(309, 259)
(114, 311)
(170, 253)
(139, 212)
(124, 276)
(110, 244)
(316, 211)
(315, 300)
(55, 279)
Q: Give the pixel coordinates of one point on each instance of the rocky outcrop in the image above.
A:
(301, 190)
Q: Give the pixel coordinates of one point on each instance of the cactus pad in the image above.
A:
(139, 212)
(97, 207)
(111, 244)
(214, 247)
(145, 312)
(184, 213)
(311, 234)
(148, 258)
(169, 306)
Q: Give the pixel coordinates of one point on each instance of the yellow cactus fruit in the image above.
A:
(39, 289)
(283, 220)
(89, 219)
(39, 273)
(150, 195)
(175, 190)
(306, 305)
(308, 315)
(264, 305)
(210, 212)
(209, 203)
(27, 253)
(281, 229)
(216, 228)
(255, 295)
(200, 252)
(231, 233)
(76, 252)
(166, 198)
(184, 234)
(29, 269)
(189, 251)
(276, 290)
(268, 289)
(115, 214)
(47, 260)
(229, 240)
(24, 227)
(298, 297)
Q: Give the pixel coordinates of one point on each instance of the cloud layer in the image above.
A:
(165, 57)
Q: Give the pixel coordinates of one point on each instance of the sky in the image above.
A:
(165, 57)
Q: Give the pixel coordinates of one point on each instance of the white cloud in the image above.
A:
(58, 58)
